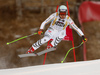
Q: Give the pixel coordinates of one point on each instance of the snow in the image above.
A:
(72, 68)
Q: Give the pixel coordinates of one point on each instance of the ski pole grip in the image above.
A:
(42, 33)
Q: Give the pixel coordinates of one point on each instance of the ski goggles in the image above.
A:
(62, 13)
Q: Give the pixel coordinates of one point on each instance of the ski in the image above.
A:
(37, 54)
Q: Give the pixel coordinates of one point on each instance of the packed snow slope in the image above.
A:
(74, 68)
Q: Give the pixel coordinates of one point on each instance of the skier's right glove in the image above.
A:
(40, 31)
(84, 38)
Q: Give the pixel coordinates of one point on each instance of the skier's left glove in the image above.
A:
(84, 38)
(40, 31)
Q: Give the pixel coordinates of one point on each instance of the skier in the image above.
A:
(57, 29)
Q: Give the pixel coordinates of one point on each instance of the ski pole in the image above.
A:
(21, 38)
(69, 51)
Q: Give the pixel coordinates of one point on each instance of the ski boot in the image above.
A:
(51, 46)
(31, 50)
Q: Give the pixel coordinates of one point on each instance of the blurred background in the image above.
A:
(19, 18)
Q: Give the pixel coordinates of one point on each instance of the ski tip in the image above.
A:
(20, 56)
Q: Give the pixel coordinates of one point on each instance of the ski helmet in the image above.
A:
(62, 10)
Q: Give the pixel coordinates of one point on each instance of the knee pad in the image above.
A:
(62, 34)
(45, 39)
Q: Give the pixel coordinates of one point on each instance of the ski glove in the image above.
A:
(40, 31)
(84, 38)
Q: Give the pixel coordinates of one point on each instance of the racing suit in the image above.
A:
(56, 30)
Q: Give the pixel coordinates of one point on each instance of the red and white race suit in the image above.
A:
(56, 30)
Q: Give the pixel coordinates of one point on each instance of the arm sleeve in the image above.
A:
(73, 25)
(48, 20)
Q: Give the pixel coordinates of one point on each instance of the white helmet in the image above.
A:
(62, 10)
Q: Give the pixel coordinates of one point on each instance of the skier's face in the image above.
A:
(62, 16)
